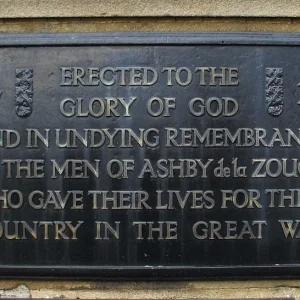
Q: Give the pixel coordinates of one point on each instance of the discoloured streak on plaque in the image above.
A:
(24, 92)
(274, 91)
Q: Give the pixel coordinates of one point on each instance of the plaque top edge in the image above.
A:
(149, 38)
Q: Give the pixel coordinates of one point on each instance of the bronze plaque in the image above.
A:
(150, 155)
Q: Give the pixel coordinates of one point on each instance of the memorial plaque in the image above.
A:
(150, 155)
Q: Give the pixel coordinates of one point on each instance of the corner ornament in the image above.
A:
(24, 92)
(274, 91)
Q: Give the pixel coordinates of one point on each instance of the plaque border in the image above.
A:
(154, 272)
(149, 38)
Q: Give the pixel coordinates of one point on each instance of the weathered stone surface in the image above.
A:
(21, 291)
(149, 24)
(154, 8)
(149, 290)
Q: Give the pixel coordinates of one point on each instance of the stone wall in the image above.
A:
(152, 15)
(149, 290)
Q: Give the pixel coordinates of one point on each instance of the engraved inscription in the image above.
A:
(24, 92)
(274, 91)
